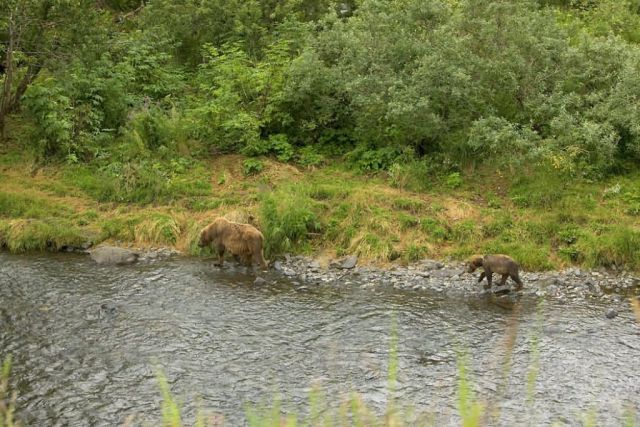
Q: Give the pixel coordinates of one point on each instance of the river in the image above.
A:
(87, 341)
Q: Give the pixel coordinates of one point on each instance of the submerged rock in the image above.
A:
(111, 255)
(107, 310)
(260, 281)
(611, 313)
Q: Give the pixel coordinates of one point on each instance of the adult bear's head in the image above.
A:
(474, 262)
(210, 232)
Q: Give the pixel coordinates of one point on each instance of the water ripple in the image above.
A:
(87, 341)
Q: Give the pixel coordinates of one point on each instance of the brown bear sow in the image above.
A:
(241, 240)
(501, 264)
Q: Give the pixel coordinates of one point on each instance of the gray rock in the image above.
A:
(260, 281)
(106, 310)
(314, 265)
(446, 273)
(611, 313)
(277, 266)
(110, 255)
(349, 262)
(430, 264)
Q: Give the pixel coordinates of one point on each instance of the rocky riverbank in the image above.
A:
(452, 278)
(436, 276)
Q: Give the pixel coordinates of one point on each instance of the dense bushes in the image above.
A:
(390, 83)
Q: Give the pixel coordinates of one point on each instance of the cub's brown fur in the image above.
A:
(241, 240)
(501, 264)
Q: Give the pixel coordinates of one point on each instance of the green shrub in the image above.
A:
(502, 225)
(465, 231)
(571, 254)
(252, 167)
(281, 147)
(51, 111)
(373, 160)
(277, 144)
(493, 201)
(408, 221)
(434, 229)
(415, 253)
(539, 232)
(155, 130)
(378, 247)
(309, 157)
(454, 180)
(413, 175)
(287, 220)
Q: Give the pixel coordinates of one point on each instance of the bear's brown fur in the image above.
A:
(501, 264)
(241, 240)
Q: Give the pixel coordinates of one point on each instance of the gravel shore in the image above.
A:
(452, 278)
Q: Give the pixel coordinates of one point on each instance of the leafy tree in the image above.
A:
(38, 34)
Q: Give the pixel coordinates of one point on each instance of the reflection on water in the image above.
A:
(86, 341)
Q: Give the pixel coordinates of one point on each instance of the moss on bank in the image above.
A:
(543, 221)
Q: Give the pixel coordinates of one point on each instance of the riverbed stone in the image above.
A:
(111, 255)
(349, 262)
(430, 264)
(446, 273)
(611, 313)
(566, 285)
(260, 281)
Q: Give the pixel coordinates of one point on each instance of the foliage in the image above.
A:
(7, 398)
(252, 167)
(170, 409)
(287, 219)
(616, 247)
(469, 408)
(301, 80)
(16, 205)
(136, 101)
(22, 235)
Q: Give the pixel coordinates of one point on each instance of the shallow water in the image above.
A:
(86, 342)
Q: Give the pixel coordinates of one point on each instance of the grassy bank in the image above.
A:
(543, 220)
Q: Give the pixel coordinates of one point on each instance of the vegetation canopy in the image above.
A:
(133, 102)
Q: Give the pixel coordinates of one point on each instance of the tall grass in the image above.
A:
(17, 205)
(171, 414)
(539, 217)
(288, 220)
(158, 229)
(470, 409)
(616, 246)
(25, 235)
(7, 397)
(351, 410)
